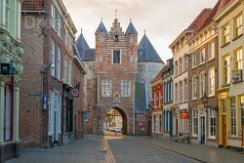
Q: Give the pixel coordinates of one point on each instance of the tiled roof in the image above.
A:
(131, 29)
(200, 20)
(90, 55)
(146, 51)
(101, 28)
(36, 5)
(140, 96)
(217, 8)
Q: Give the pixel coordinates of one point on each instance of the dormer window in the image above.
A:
(116, 38)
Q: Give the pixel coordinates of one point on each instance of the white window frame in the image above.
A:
(233, 117)
(106, 88)
(211, 81)
(202, 84)
(194, 87)
(7, 16)
(211, 50)
(226, 34)
(58, 66)
(194, 122)
(194, 60)
(125, 88)
(59, 26)
(212, 124)
(238, 25)
(239, 59)
(202, 55)
(226, 69)
(53, 58)
(53, 16)
(120, 59)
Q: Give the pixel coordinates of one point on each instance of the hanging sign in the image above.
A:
(184, 115)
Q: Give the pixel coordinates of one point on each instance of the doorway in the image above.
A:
(115, 122)
(202, 130)
(224, 131)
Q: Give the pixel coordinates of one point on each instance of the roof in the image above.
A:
(81, 45)
(90, 55)
(200, 20)
(140, 96)
(35, 5)
(131, 29)
(146, 51)
(217, 8)
(101, 28)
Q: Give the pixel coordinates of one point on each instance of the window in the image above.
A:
(8, 114)
(194, 87)
(180, 66)
(66, 37)
(69, 71)
(176, 92)
(160, 123)
(181, 92)
(185, 90)
(53, 58)
(185, 63)
(242, 109)
(195, 122)
(202, 55)
(59, 26)
(238, 26)
(212, 123)
(211, 81)
(176, 68)
(106, 88)
(226, 70)
(165, 96)
(202, 84)
(238, 59)
(7, 21)
(154, 123)
(116, 57)
(58, 67)
(65, 70)
(226, 34)
(53, 16)
(211, 50)
(125, 90)
(194, 60)
(170, 91)
(233, 116)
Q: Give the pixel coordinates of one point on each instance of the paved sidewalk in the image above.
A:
(94, 149)
(200, 152)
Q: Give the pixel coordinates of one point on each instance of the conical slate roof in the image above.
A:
(131, 29)
(101, 28)
(81, 45)
(146, 51)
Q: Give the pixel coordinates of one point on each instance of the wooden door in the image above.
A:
(224, 131)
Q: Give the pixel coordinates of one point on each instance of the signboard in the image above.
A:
(140, 124)
(184, 115)
(5, 68)
(45, 102)
(236, 75)
(85, 116)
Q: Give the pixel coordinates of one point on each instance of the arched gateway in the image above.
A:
(115, 121)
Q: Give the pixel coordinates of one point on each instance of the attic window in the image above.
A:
(116, 38)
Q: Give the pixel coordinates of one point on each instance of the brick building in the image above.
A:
(121, 77)
(157, 105)
(203, 78)
(52, 68)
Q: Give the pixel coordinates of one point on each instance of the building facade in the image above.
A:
(203, 68)
(157, 105)
(170, 124)
(11, 52)
(230, 85)
(52, 69)
(180, 51)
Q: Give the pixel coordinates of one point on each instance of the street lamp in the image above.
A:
(205, 101)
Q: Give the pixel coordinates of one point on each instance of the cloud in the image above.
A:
(163, 20)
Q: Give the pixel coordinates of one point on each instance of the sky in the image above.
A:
(162, 20)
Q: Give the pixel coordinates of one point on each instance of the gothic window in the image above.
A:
(125, 88)
(116, 57)
(116, 38)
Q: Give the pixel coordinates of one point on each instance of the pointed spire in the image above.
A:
(145, 32)
(101, 28)
(131, 29)
(147, 53)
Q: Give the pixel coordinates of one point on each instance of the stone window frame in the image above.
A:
(211, 81)
(226, 34)
(125, 83)
(233, 117)
(202, 55)
(106, 88)
(211, 50)
(238, 25)
(202, 83)
(120, 57)
(194, 85)
(194, 122)
(212, 124)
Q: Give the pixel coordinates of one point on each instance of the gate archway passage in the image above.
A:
(115, 122)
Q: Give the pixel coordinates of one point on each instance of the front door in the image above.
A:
(202, 130)
(224, 131)
(171, 123)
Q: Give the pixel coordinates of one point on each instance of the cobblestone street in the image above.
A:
(121, 149)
